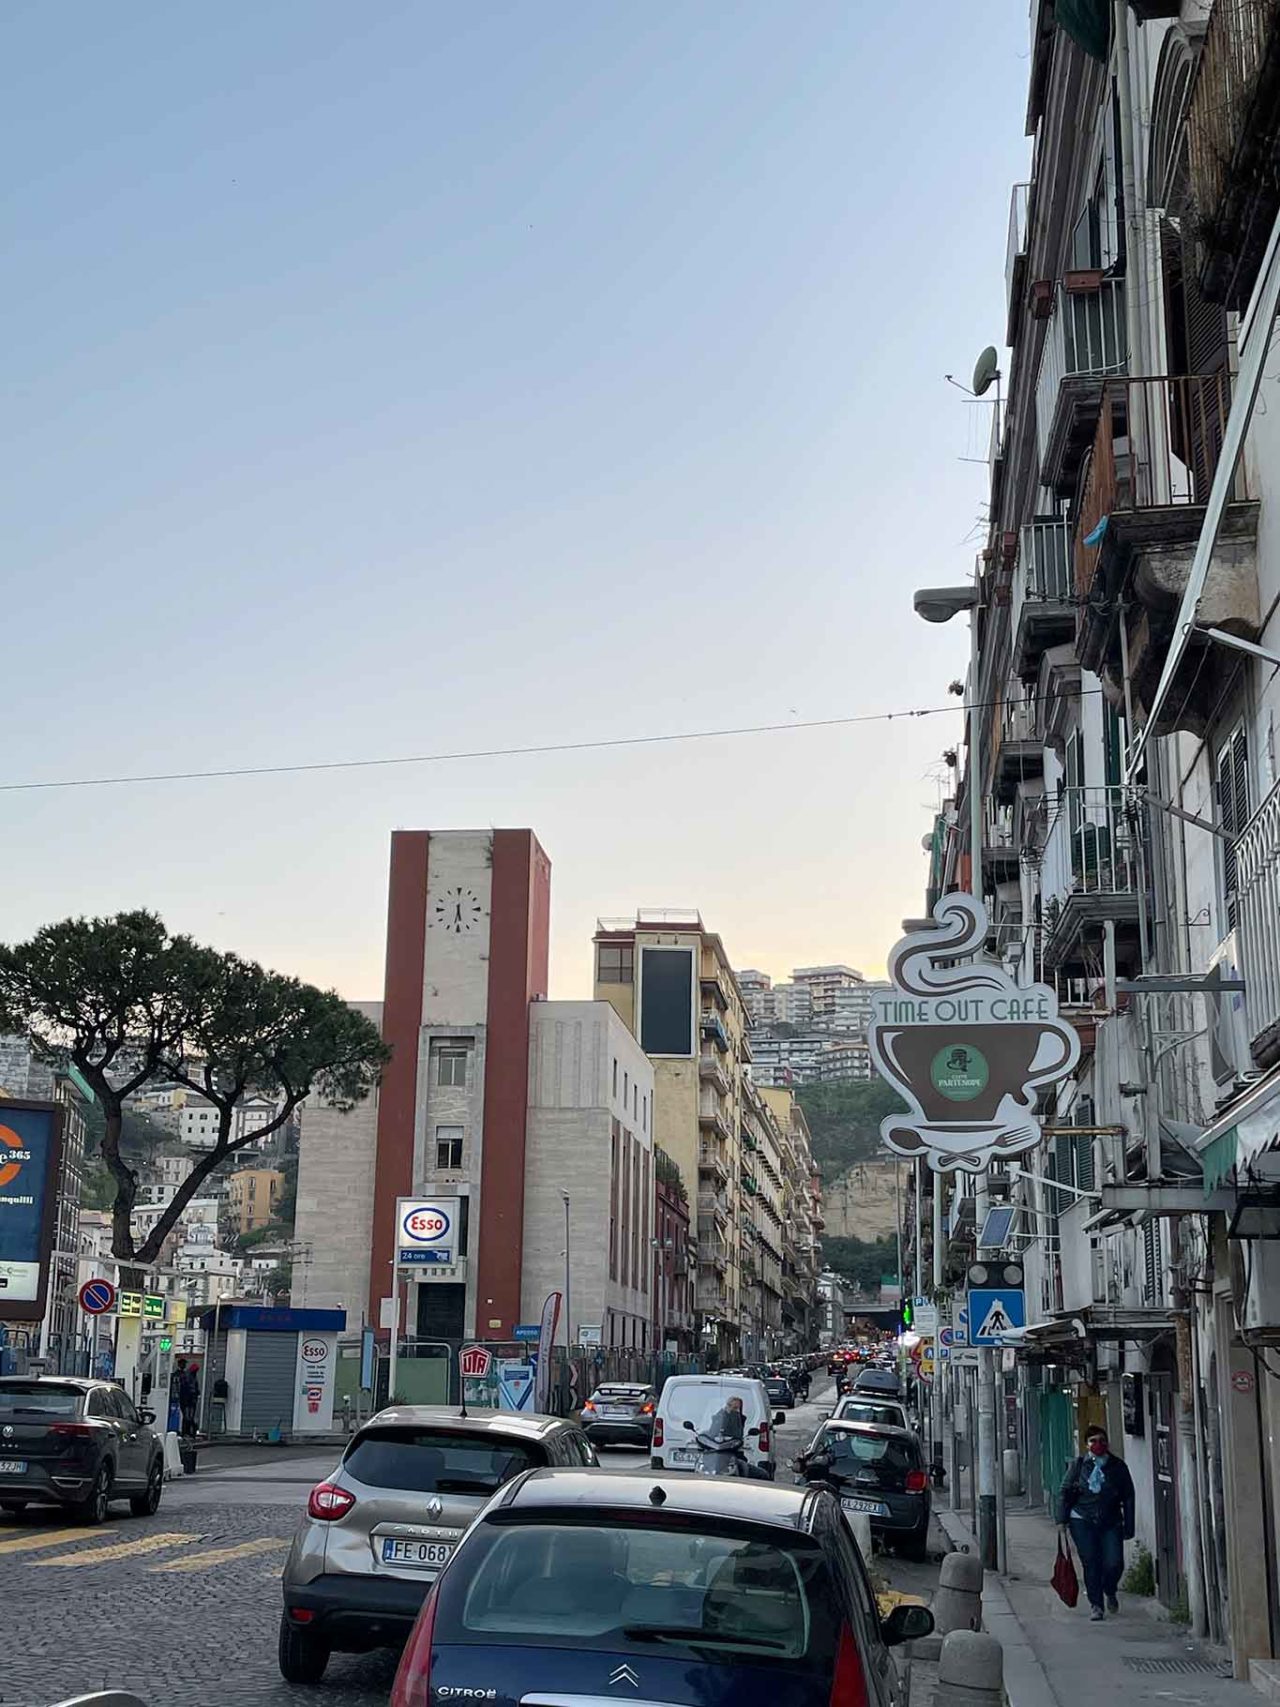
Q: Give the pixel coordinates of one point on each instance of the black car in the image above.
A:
(76, 1443)
(877, 1380)
(708, 1593)
(620, 1414)
(879, 1471)
(780, 1391)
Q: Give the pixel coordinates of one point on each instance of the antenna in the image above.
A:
(986, 370)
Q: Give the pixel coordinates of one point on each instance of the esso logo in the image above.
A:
(314, 1351)
(426, 1226)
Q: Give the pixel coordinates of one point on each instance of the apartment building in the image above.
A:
(762, 1223)
(1121, 743)
(784, 1056)
(252, 1197)
(674, 1259)
(801, 1199)
(671, 983)
(824, 984)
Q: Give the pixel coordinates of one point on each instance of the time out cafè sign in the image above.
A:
(965, 1047)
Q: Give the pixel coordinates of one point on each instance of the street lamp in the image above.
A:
(940, 604)
(568, 1299)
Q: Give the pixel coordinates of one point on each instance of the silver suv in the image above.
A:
(380, 1530)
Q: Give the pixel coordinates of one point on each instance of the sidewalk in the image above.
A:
(1054, 1656)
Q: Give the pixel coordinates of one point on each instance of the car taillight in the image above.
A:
(849, 1686)
(764, 1437)
(917, 1481)
(412, 1687)
(78, 1431)
(646, 1410)
(590, 1405)
(657, 1431)
(328, 1502)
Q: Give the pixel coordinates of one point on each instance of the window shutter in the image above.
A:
(1151, 1261)
(1233, 809)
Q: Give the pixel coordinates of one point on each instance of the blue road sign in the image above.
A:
(97, 1296)
(994, 1311)
(526, 1330)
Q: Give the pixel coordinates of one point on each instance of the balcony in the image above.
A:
(714, 1032)
(1084, 343)
(713, 1206)
(713, 1117)
(999, 846)
(1258, 902)
(1094, 848)
(712, 1073)
(1142, 501)
(1018, 751)
(1042, 613)
(750, 1184)
(1233, 133)
(714, 991)
(713, 1254)
(713, 1160)
(1015, 261)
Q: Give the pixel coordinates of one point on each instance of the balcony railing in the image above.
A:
(712, 1206)
(713, 1254)
(1085, 340)
(1156, 448)
(1042, 612)
(713, 1029)
(1091, 842)
(1231, 131)
(713, 1159)
(1015, 259)
(1258, 900)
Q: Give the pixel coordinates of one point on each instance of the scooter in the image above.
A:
(722, 1455)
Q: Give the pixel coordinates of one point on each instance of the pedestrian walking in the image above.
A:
(189, 1399)
(174, 1418)
(1095, 1506)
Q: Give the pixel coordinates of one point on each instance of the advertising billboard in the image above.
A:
(427, 1234)
(30, 1155)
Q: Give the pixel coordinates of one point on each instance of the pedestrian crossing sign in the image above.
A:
(995, 1311)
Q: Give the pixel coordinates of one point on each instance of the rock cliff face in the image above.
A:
(861, 1204)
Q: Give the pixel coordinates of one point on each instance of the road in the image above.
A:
(182, 1607)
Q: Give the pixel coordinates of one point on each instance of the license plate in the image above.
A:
(873, 1508)
(683, 1455)
(13, 1466)
(421, 1555)
(618, 1411)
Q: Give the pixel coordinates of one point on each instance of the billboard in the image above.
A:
(30, 1156)
(427, 1234)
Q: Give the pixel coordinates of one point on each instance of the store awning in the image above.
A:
(1244, 1132)
(1098, 1322)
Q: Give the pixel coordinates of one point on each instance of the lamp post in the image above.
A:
(940, 604)
(568, 1296)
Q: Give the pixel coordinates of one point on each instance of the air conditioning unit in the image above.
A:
(1229, 1055)
(1255, 1282)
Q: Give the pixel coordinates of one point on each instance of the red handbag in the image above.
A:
(1066, 1584)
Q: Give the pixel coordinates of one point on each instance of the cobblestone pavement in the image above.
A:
(182, 1608)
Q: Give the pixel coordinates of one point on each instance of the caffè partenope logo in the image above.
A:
(964, 1045)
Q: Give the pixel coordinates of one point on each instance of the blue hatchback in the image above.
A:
(687, 1590)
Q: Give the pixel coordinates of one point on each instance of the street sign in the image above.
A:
(97, 1295)
(526, 1331)
(474, 1362)
(924, 1318)
(153, 1306)
(427, 1232)
(996, 1310)
(129, 1304)
(515, 1386)
(946, 1338)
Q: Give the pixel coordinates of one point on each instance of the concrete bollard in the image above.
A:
(1012, 1465)
(971, 1671)
(172, 1457)
(958, 1602)
(860, 1524)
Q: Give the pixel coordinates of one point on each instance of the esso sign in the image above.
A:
(315, 1351)
(426, 1225)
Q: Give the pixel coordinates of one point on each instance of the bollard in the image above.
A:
(958, 1602)
(172, 1457)
(971, 1671)
(1012, 1468)
(860, 1524)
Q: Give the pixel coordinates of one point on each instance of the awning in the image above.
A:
(1098, 1322)
(1249, 1128)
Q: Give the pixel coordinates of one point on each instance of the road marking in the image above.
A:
(220, 1555)
(122, 1549)
(48, 1538)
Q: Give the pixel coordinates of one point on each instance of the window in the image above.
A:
(428, 1461)
(449, 1148)
(666, 1001)
(615, 964)
(615, 1077)
(451, 1067)
(626, 1087)
(1231, 778)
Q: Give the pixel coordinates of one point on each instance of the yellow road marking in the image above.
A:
(50, 1538)
(220, 1555)
(122, 1549)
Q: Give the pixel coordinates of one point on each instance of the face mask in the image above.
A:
(1098, 1448)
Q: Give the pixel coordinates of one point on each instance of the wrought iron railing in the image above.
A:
(1086, 335)
(1091, 841)
(1257, 866)
(1222, 98)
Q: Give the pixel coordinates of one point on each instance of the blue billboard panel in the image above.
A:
(30, 1153)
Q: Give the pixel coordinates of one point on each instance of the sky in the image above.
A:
(419, 379)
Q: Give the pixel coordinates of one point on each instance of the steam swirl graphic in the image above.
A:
(961, 929)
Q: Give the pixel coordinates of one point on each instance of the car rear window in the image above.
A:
(620, 1395)
(435, 1461)
(889, 1415)
(37, 1400)
(648, 1590)
(887, 1450)
(700, 1403)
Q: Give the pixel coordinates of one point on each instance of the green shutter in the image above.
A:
(1088, 23)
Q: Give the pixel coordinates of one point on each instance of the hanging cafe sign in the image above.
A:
(965, 1047)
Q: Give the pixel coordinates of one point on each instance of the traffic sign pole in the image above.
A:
(986, 1516)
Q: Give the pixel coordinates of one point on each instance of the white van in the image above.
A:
(696, 1399)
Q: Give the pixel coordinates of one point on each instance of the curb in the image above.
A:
(1026, 1682)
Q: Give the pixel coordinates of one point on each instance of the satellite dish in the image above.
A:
(986, 370)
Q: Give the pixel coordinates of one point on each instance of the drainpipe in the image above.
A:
(1133, 245)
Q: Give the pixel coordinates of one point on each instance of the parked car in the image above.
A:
(77, 1443)
(620, 1414)
(780, 1391)
(877, 1379)
(872, 1408)
(697, 1399)
(377, 1533)
(571, 1586)
(879, 1471)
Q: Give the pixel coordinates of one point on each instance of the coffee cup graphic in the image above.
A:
(965, 1047)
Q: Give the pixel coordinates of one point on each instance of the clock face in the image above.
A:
(458, 910)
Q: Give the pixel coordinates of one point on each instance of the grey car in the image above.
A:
(380, 1530)
(76, 1443)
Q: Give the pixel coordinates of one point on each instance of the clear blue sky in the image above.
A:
(414, 377)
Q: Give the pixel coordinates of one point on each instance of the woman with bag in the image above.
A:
(1095, 1506)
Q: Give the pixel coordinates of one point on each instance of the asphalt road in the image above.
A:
(182, 1608)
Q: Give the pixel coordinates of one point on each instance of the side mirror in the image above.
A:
(906, 1624)
(779, 1417)
(687, 1424)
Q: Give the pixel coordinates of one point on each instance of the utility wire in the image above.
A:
(49, 783)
